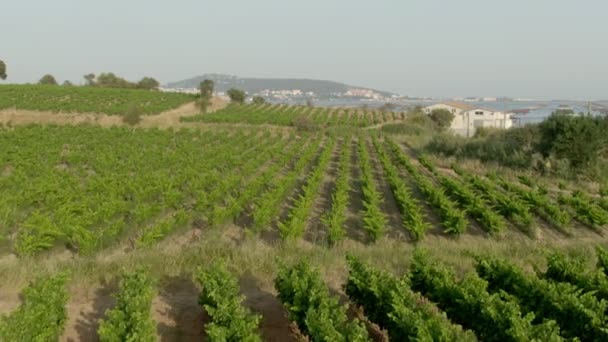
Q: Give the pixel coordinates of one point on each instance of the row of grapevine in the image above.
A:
(335, 219)
(42, 314)
(374, 220)
(233, 204)
(130, 319)
(512, 208)
(411, 211)
(493, 317)
(289, 115)
(562, 268)
(229, 320)
(579, 314)
(585, 209)
(111, 101)
(454, 220)
(295, 224)
(213, 176)
(309, 304)
(477, 207)
(538, 201)
(403, 313)
(267, 205)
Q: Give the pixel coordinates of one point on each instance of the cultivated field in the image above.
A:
(250, 223)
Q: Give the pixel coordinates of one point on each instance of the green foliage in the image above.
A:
(70, 187)
(603, 190)
(411, 211)
(310, 306)
(453, 220)
(301, 117)
(563, 268)
(335, 219)
(236, 95)
(579, 314)
(493, 317)
(475, 206)
(374, 220)
(42, 314)
(602, 259)
(586, 210)
(48, 79)
(304, 124)
(267, 205)
(537, 200)
(148, 83)
(88, 99)
(515, 147)
(130, 319)
(295, 224)
(390, 303)
(89, 79)
(442, 117)
(109, 80)
(206, 94)
(403, 128)
(510, 207)
(3, 75)
(258, 100)
(228, 319)
(579, 139)
(132, 116)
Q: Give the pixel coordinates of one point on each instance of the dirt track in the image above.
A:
(166, 119)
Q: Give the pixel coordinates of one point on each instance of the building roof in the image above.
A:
(455, 104)
(458, 105)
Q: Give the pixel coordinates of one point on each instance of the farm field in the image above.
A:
(244, 228)
(72, 99)
(269, 114)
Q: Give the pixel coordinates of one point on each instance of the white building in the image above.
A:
(468, 118)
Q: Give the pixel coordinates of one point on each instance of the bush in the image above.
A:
(258, 100)
(132, 116)
(236, 95)
(579, 139)
(304, 123)
(403, 128)
(442, 117)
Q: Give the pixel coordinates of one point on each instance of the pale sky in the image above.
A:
(522, 48)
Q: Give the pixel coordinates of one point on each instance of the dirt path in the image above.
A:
(166, 119)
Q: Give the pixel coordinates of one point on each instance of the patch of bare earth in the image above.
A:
(170, 118)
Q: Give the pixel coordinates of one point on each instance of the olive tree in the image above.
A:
(2, 70)
(48, 79)
(442, 117)
(236, 95)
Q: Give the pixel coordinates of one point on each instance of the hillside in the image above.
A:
(112, 101)
(320, 88)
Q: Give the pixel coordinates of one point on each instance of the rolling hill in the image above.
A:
(320, 88)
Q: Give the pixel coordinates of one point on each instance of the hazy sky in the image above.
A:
(523, 48)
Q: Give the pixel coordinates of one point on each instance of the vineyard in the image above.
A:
(429, 302)
(281, 115)
(111, 101)
(277, 233)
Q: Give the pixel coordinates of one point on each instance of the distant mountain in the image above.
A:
(320, 88)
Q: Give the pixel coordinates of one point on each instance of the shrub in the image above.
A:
(442, 117)
(132, 116)
(402, 128)
(304, 123)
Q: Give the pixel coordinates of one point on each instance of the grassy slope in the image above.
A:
(88, 99)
